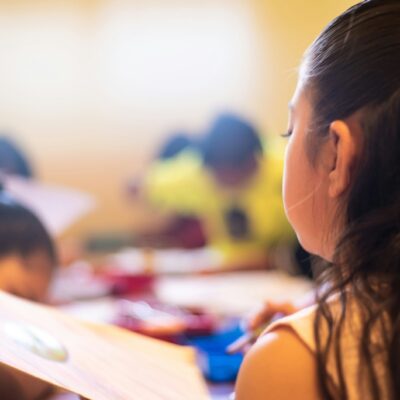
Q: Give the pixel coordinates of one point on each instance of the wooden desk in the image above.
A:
(232, 294)
(217, 392)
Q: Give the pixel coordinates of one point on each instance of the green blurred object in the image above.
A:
(108, 242)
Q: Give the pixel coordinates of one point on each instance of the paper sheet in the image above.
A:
(231, 293)
(57, 207)
(167, 261)
(104, 362)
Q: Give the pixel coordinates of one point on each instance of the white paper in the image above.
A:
(56, 206)
(167, 261)
(231, 293)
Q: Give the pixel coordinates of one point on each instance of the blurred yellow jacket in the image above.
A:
(183, 185)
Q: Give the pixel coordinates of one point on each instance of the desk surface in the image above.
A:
(232, 294)
(217, 392)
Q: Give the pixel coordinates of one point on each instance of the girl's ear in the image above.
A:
(343, 147)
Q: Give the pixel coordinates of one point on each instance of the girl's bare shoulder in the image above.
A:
(278, 367)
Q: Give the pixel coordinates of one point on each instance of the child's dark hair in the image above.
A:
(21, 232)
(174, 145)
(231, 142)
(13, 160)
(354, 66)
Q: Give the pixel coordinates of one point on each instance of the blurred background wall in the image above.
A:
(89, 88)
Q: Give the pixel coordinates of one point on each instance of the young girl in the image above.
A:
(342, 197)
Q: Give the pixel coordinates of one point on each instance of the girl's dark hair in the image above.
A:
(354, 66)
(21, 232)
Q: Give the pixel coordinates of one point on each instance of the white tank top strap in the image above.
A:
(302, 324)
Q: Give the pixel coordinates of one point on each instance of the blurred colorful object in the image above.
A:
(163, 321)
(123, 283)
(215, 363)
(57, 206)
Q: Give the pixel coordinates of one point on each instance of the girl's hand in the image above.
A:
(257, 322)
(269, 311)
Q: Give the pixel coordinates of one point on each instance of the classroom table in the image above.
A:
(217, 392)
(227, 294)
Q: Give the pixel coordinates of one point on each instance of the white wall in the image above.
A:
(90, 87)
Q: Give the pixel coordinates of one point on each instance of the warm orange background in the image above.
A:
(90, 87)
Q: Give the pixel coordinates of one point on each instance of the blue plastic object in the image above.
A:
(216, 364)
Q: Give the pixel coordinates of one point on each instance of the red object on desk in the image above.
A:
(148, 319)
(123, 283)
(200, 322)
(163, 321)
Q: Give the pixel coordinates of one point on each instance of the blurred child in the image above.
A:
(231, 182)
(180, 230)
(27, 261)
(342, 197)
(27, 253)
